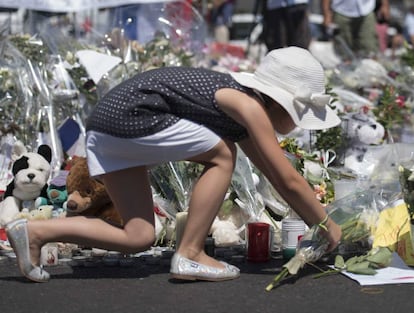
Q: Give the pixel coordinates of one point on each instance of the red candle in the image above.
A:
(258, 242)
(3, 235)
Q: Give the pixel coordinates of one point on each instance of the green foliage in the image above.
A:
(390, 110)
(173, 181)
(32, 48)
(160, 52)
(332, 138)
(407, 57)
(85, 84)
(290, 146)
(367, 264)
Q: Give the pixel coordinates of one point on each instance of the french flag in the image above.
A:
(72, 138)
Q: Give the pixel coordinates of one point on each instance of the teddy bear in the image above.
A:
(87, 196)
(30, 172)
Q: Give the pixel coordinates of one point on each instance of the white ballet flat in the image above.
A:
(19, 240)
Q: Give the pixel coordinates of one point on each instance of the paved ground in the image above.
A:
(146, 287)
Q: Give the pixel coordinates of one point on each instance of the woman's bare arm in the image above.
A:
(264, 151)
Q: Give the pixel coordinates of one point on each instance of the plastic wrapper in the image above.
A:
(46, 128)
(350, 100)
(271, 198)
(363, 73)
(173, 182)
(406, 179)
(14, 91)
(159, 52)
(166, 34)
(243, 184)
(30, 103)
(357, 214)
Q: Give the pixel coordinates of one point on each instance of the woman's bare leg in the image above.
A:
(207, 197)
(131, 194)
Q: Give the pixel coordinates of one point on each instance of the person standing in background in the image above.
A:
(409, 25)
(382, 14)
(286, 23)
(221, 19)
(356, 22)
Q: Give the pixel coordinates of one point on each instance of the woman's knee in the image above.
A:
(222, 154)
(226, 153)
(143, 243)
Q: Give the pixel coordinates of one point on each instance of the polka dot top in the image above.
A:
(154, 100)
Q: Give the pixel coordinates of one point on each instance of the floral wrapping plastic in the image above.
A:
(357, 214)
(243, 183)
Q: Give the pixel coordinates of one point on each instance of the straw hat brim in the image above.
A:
(313, 118)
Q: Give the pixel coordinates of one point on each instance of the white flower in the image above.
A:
(313, 168)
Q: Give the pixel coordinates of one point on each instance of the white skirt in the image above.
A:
(183, 140)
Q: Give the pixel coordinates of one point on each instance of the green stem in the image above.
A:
(323, 272)
(326, 273)
(316, 267)
(279, 277)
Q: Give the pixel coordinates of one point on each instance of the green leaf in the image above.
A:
(380, 257)
(361, 268)
(339, 262)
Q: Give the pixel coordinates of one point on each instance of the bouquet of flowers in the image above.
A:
(406, 179)
(173, 182)
(244, 185)
(391, 111)
(357, 215)
(314, 168)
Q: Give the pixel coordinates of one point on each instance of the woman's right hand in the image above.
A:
(333, 234)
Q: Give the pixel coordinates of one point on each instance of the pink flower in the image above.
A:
(320, 191)
(400, 101)
(373, 95)
(365, 109)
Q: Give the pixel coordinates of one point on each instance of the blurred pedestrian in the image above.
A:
(409, 25)
(221, 19)
(382, 14)
(356, 22)
(286, 23)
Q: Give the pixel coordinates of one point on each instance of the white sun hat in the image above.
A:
(296, 80)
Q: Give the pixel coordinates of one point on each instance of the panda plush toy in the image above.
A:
(31, 172)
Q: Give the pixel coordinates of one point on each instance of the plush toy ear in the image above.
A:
(18, 150)
(46, 152)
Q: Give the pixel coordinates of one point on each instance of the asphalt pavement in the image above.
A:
(144, 285)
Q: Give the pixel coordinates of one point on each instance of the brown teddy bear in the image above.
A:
(87, 196)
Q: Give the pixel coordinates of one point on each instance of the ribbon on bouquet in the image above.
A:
(328, 157)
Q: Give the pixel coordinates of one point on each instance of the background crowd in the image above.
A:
(364, 26)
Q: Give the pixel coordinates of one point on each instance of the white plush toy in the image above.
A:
(31, 171)
(44, 212)
(362, 131)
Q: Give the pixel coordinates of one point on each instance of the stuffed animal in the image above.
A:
(56, 193)
(44, 212)
(363, 129)
(363, 132)
(31, 171)
(87, 196)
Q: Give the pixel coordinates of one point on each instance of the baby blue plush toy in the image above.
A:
(56, 192)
